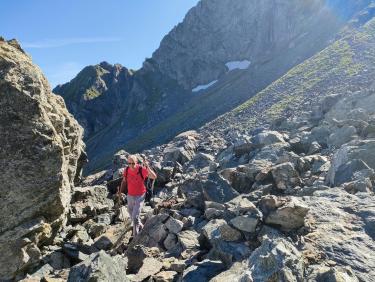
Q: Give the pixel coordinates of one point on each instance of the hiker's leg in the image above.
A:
(131, 202)
(138, 203)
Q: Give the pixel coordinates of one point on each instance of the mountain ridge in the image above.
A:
(161, 103)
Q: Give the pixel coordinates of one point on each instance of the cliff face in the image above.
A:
(222, 54)
(41, 144)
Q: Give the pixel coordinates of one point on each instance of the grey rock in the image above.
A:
(243, 148)
(89, 202)
(203, 271)
(120, 160)
(213, 188)
(99, 267)
(43, 271)
(341, 136)
(276, 259)
(41, 144)
(314, 148)
(95, 229)
(269, 203)
(136, 256)
(343, 229)
(217, 189)
(211, 213)
(189, 239)
(214, 205)
(320, 134)
(285, 176)
(238, 272)
(57, 260)
(267, 138)
(247, 223)
(338, 274)
(240, 178)
(182, 149)
(202, 161)
(174, 225)
(299, 145)
(165, 276)
(73, 252)
(170, 242)
(192, 189)
(362, 185)
(241, 205)
(178, 266)
(153, 233)
(150, 267)
(228, 252)
(218, 229)
(112, 236)
(271, 153)
(346, 172)
(289, 216)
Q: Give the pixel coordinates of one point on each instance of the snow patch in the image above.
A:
(241, 65)
(203, 87)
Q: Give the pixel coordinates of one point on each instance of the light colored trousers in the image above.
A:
(135, 204)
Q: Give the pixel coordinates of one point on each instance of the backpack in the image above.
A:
(149, 184)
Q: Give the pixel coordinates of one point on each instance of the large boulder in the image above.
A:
(213, 188)
(341, 136)
(99, 267)
(276, 260)
(153, 233)
(358, 150)
(217, 189)
(41, 155)
(203, 271)
(289, 216)
(88, 202)
(267, 138)
(344, 231)
(218, 229)
(183, 147)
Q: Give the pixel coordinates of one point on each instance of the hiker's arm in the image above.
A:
(122, 186)
(151, 173)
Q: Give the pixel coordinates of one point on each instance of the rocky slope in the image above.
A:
(288, 203)
(41, 146)
(236, 48)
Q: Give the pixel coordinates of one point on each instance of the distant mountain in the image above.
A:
(96, 95)
(223, 53)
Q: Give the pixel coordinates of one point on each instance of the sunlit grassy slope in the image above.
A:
(347, 65)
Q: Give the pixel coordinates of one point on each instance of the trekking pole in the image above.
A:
(152, 191)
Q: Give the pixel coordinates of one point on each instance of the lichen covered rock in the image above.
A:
(41, 146)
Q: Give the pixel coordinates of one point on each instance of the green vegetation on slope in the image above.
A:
(346, 65)
(82, 84)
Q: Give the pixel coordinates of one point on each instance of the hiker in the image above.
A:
(133, 180)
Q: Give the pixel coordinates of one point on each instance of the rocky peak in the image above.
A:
(96, 90)
(241, 30)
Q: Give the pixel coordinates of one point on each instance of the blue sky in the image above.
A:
(64, 36)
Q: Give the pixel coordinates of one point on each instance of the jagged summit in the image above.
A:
(97, 94)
